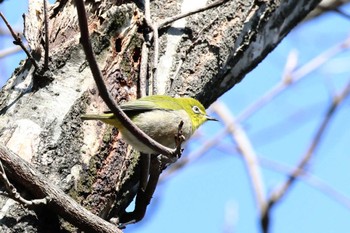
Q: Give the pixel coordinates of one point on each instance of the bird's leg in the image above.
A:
(179, 139)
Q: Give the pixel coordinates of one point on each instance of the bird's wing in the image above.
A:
(137, 106)
(149, 103)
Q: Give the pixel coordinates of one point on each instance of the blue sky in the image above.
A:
(214, 193)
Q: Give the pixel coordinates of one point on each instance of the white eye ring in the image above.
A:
(196, 109)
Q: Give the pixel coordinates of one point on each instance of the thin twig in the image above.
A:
(337, 10)
(145, 166)
(46, 46)
(305, 176)
(309, 179)
(183, 15)
(247, 151)
(293, 78)
(97, 75)
(13, 194)
(279, 193)
(145, 192)
(9, 51)
(18, 41)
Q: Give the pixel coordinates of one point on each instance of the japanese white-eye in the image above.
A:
(159, 117)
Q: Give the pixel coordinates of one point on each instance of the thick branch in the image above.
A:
(59, 202)
(13, 194)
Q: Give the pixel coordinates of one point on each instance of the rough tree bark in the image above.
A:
(202, 56)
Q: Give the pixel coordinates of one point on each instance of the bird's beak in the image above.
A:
(209, 118)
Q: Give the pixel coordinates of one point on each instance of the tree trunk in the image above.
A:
(202, 56)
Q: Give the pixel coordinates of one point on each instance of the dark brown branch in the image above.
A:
(59, 202)
(309, 179)
(144, 197)
(334, 7)
(342, 13)
(152, 166)
(18, 41)
(292, 76)
(46, 24)
(122, 117)
(13, 194)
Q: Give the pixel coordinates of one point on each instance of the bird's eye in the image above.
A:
(196, 109)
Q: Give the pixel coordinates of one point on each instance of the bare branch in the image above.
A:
(247, 151)
(279, 193)
(46, 24)
(9, 51)
(60, 203)
(18, 41)
(13, 194)
(293, 77)
(309, 179)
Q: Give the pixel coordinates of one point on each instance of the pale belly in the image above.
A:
(160, 125)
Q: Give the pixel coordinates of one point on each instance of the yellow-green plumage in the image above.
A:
(158, 116)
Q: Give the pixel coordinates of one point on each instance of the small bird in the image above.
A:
(159, 117)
